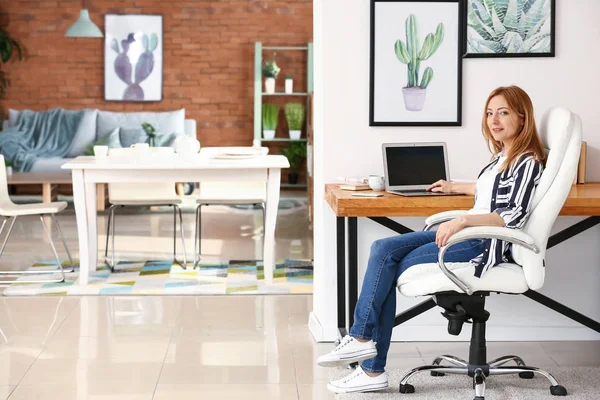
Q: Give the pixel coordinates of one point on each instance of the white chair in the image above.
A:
(139, 195)
(10, 211)
(227, 193)
(454, 286)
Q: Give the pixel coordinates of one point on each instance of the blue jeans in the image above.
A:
(376, 308)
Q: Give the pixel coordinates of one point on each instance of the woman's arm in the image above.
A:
(449, 228)
(465, 188)
(452, 187)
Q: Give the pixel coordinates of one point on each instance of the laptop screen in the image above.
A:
(415, 165)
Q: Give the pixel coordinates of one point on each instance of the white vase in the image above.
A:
(289, 85)
(414, 98)
(268, 134)
(270, 85)
(8, 171)
(295, 134)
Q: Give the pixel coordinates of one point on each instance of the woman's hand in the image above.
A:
(448, 229)
(441, 186)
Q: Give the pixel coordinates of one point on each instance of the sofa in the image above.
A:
(121, 129)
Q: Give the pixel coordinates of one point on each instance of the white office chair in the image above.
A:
(226, 193)
(142, 194)
(454, 286)
(10, 211)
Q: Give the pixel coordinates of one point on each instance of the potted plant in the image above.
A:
(150, 132)
(289, 84)
(270, 113)
(270, 71)
(8, 166)
(8, 48)
(412, 55)
(295, 153)
(294, 114)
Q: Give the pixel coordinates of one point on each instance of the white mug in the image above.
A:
(100, 151)
(376, 182)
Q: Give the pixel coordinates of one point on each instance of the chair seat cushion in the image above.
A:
(16, 210)
(426, 279)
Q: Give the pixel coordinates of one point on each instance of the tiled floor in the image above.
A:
(227, 347)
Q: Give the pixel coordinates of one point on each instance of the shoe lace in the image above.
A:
(354, 375)
(347, 339)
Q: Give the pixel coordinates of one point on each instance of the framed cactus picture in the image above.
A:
(133, 57)
(416, 63)
(509, 28)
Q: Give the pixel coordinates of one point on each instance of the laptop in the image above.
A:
(410, 168)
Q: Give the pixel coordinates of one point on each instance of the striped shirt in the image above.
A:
(511, 199)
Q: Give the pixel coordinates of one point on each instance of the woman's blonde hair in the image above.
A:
(527, 139)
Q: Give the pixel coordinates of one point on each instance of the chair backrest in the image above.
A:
(238, 190)
(140, 190)
(4, 197)
(561, 134)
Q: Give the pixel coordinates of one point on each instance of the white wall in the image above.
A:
(345, 145)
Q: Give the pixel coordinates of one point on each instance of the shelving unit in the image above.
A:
(259, 94)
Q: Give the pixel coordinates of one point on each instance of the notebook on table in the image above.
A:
(410, 168)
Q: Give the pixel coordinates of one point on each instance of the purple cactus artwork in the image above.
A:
(133, 58)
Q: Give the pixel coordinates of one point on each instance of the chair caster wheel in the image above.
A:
(526, 375)
(479, 398)
(407, 388)
(558, 390)
(353, 365)
(435, 373)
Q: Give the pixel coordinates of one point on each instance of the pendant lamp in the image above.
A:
(83, 27)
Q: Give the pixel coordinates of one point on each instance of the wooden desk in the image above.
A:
(583, 200)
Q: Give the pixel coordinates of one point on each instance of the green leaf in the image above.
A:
(485, 31)
(499, 29)
(153, 42)
(512, 42)
(412, 37)
(427, 76)
(511, 19)
(401, 52)
(427, 48)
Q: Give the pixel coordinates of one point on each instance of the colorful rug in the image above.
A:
(165, 278)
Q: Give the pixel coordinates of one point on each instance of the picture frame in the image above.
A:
(416, 81)
(522, 28)
(133, 57)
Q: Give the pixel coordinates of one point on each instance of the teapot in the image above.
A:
(185, 145)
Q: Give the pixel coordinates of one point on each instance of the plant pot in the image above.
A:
(295, 135)
(289, 85)
(268, 134)
(8, 171)
(414, 98)
(293, 178)
(270, 85)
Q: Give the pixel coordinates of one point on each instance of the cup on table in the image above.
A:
(376, 182)
(100, 151)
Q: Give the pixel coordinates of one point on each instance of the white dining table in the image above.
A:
(87, 171)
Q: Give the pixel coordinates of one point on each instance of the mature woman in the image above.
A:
(503, 194)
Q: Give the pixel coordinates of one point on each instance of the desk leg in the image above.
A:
(84, 196)
(101, 196)
(352, 268)
(82, 225)
(273, 182)
(341, 275)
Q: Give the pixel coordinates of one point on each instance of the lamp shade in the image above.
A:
(84, 27)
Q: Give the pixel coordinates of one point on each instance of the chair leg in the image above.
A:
(198, 236)
(451, 359)
(28, 272)
(505, 359)
(264, 213)
(64, 242)
(479, 384)
(174, 232)
(178, 210)
(110, 231)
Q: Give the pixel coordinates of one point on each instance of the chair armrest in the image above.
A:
(438, 218)
(483, 232)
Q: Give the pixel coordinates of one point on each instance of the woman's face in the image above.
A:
(504, 123)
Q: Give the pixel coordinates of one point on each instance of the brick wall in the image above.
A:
(208, 58)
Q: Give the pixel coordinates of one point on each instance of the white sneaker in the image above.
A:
(359, 381)
(348, 351)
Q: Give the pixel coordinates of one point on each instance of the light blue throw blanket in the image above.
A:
(39, 134)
